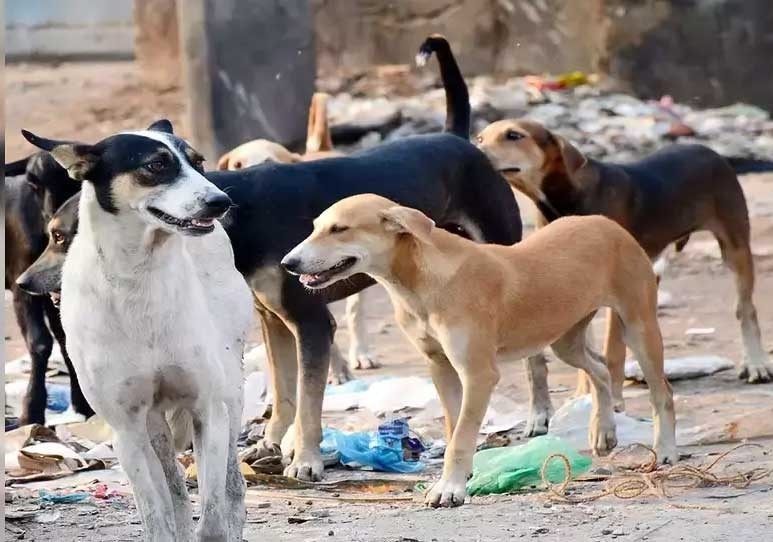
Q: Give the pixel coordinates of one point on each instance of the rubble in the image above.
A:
(606, 125)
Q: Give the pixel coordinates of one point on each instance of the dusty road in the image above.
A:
(92, 100)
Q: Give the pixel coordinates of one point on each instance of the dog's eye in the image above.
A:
(57, 237)
(335, 228)
(512, 135)
(198, 163)
(156, 166)
(479, 139)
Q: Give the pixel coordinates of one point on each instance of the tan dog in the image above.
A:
(319, 144)
(661, 200)
(543, 291)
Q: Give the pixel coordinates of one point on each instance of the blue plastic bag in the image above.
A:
(58, 397)
(368, 449)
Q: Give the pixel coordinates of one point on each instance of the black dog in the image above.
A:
(443, 175)
(34, 188)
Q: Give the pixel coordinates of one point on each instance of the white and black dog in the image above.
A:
(156, 316)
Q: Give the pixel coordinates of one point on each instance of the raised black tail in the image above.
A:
(749, 165)
(19, 167)
(457, 97)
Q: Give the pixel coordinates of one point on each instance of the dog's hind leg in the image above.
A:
(359, 347)
(572, 348)
(736, 252)
(614, 353)
(283, 371)
(540, 405)
(77, 400)
(642, 335)
(474, 360)
(144, 469)
(210, 444)
(30, 316)
(162, 442)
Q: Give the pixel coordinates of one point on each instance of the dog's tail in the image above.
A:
(19, 167)
(318, 134)
(181, 424)
(457, 97)
(749, 165)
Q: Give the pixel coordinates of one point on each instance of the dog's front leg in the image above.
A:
(141, 464)
(540, 406)
(29, 315)
(235, 487)
(162, 442)
(314, 337)
(283, 370)
(476, 365)
(210, 444)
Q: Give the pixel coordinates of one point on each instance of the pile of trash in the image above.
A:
(604, 124)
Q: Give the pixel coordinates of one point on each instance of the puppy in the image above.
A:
(156, 317)
(460, 303)
(660, 200)
(319, 144)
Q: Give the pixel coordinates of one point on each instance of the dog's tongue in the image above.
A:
(307, 278)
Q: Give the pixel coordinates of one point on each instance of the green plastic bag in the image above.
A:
(505, 470)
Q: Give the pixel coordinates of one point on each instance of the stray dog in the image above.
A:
(156, 317)
(44, 276)
(34, 188)
(319, 144)
(660, 200)
(460, 303)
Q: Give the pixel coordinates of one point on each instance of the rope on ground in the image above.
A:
(648, 479)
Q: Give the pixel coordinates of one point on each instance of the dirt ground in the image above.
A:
(90, 100)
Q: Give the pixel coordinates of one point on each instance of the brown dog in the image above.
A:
(543, 291)
(661, 200)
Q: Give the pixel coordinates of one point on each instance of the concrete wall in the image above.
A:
(71, 28)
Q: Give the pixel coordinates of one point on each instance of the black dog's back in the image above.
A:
(441, 174)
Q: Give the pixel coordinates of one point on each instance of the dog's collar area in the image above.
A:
(192, 225)
(315, 280)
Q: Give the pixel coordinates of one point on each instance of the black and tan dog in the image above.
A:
(661, 199)
(35, 187)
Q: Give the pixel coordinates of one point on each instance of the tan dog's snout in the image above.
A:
(355, 235)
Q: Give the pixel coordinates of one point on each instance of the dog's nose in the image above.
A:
(217, 204)
(291, 264)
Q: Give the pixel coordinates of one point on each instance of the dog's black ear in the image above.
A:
(162, 125)
(406, 220)
(77, 158)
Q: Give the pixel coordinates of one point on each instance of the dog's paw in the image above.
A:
(756, 373)
(340, 375)
(446, 493)
(363, 361)
(667, 455)
(602, 438)
(537, 423)
(308, 468)
(618, 404)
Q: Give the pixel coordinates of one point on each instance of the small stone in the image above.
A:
(606, 532)
(330, 533)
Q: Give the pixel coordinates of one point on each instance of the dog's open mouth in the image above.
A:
(191, 225)
(315, 280)
(56, 298)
